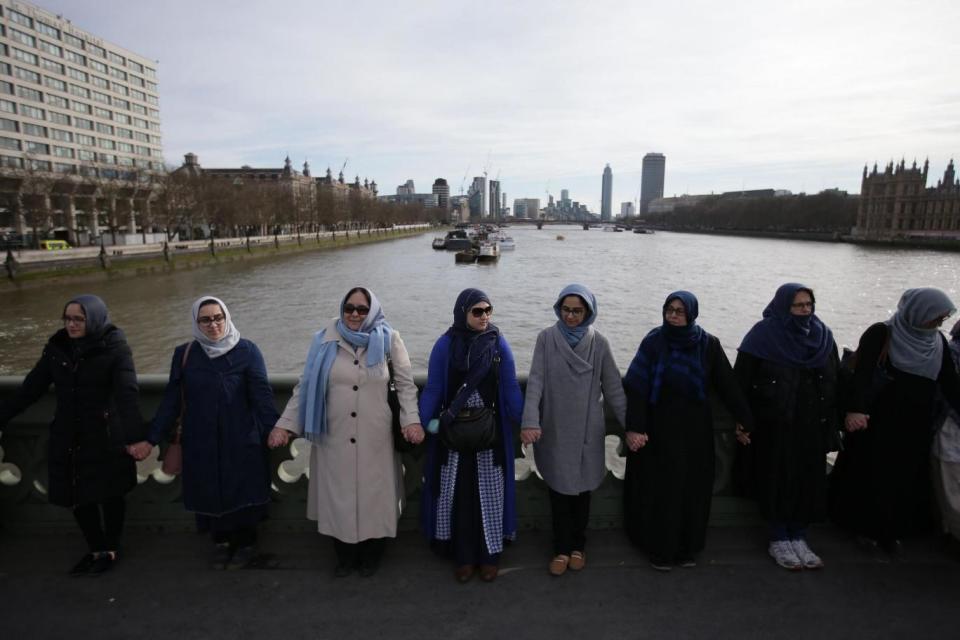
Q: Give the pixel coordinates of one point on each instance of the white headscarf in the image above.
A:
(214, 348)
(913, 347)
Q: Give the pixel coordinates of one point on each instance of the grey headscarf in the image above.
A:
(913, 348)
(95, 310)
(214, 348)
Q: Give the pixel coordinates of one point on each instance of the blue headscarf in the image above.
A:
(98, 318)
(671, 356)
(471, 352)
(787, 339)
(374, 333)
(575, 335)
(915, 348)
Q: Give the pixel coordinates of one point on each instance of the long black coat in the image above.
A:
(97, 414)
(796, 414)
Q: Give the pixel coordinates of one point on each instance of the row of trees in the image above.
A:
(826, 212)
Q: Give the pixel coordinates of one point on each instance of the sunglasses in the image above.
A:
(479, 312)
(361, 310)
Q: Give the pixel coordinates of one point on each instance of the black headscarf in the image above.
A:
(788, 339)
(471, 352)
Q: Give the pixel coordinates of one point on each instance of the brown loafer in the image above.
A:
(559, 564)
(463, 573)
(577, 560)
(488, 572)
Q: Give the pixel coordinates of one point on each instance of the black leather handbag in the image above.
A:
(393, 399)
(474, 429)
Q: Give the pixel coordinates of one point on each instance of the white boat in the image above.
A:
(506, 243)
(609, 227)
(488, 252)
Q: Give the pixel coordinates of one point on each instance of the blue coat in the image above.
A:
(229, 412)
(510, 408)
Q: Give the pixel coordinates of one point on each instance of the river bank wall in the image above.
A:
(32, 269)
(938, 243)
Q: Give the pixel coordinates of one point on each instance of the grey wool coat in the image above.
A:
(565, 397)
(356, 488)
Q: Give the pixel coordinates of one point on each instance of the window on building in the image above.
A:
(100, 97)
(138, 108)
(11, 162)
(29, 94)
(24, 56)
(140, 122)
(138, 95)
(7, 106)
(9, 143)
(104, 128)
(153, 113)
(125, 147)
(83, 123)
(8, 125)
(153, 100)
(63, 152)
(106, 114)
(152, 86)
(63, 136)
(50, 65)
(81, 107)
(36, 130)
(122, 118)
(97, 51)
(41, 148)
(120, 102)
(143, 151)
(46, 29)
(90, 172)
(57, 101)
(40, 165)
(26, 75)
(86, 154)
(124, 133)
(62, 167)
(141, 137)
(117, 73)
(6, 87)
(117, 59)
(50, 48)
(59, 118)
(107, 144)
(77, 90)
(32, 112)
(74, 57)
(137, 81)
(98, 66)
(19, 18)
(97, 81)
(124, 162)
(72, 40)
(76, 74)
(54, 83)
(109, 158)
(5, 68)
(150, 73)
(121, 89)
(22, 38)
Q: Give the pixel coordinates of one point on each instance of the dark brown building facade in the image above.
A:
(896, 203)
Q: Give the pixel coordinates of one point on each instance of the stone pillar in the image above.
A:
(112, 217)
(132, 221)
(71, 214)
(146, 221)
(94, 220)
(20, 218)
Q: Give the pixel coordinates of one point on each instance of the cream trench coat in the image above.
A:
(356, 487)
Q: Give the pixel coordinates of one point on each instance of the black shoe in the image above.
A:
(687, 562)
(892, 547)
(104, 562)
(221, 555)
(84, 566)
(242, 557)
(368, 567)
(660, 564)
(343, 569)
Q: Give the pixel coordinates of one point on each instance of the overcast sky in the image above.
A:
(767, 94)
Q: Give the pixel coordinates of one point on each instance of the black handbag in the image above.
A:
(473, 430)
(393, 399)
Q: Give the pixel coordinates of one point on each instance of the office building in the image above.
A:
(494, 199)
(651, 180)
(606, 197)
(478, 197)
(627, 210)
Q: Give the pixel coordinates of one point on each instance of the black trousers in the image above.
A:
(366, 551)
(571, 514)
(102, 523)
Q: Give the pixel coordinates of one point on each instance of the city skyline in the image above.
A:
(744, 97)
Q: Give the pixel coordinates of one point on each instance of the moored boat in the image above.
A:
(466, 256)
(488, 252)
(439, 244)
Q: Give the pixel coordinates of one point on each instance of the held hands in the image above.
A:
(636, 441)
(139, 450)
(743, 437)
(278, 438)
(856, 421)
(413, 433)
(529, 436)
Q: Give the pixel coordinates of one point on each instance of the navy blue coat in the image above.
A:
(229, 412)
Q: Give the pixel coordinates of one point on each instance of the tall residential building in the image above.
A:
(606, 196)
(479, 186)
(406, 189)
(526, 207)
(72, 103)
(627, 209)
(494, 199)
(442, 191)
(651, 180)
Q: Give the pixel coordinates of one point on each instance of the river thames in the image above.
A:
(279, 303)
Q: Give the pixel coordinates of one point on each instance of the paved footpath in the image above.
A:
(162, 589)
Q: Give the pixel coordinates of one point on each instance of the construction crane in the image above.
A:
(344, 165)
(462, 182)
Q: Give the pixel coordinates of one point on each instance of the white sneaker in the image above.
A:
(785, 556)
(809, 559)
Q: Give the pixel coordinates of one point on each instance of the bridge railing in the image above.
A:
(155, 503)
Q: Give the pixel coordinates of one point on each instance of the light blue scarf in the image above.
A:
(374, 334)
(575, 335)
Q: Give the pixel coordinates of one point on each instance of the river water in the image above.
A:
(279, 303)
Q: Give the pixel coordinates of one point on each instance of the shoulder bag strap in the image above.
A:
(183, 397)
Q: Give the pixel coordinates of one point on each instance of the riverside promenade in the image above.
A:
(162, 589)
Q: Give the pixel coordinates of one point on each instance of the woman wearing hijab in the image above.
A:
(91, 368)
(945, 455)
(340, 405)
(467, 503)
(668, 486)
(880, 488)
(788, 365)
(572, 374)
(218, 388)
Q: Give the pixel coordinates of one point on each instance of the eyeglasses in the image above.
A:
(361, 310)
(74, 320)
(802, 305)
(675, 311)
(572, 311)
(479, 312)
(209, 320)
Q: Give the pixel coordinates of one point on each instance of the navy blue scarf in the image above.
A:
(471, 352)
(787, 339)
(671, 356)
